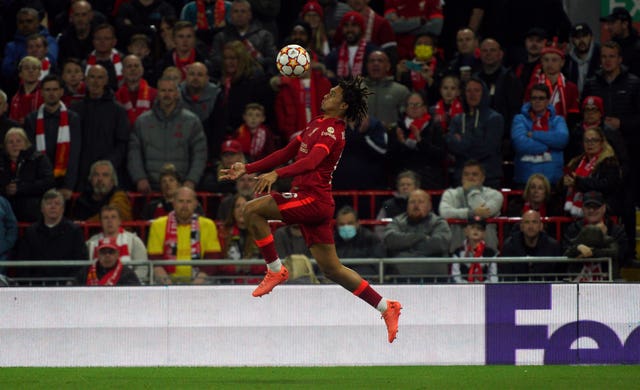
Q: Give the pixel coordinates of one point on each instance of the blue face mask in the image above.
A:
(347, 232)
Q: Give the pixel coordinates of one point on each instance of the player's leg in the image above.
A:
(330, 265)
(257, 214)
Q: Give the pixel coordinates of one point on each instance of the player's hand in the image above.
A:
(237, 169)
(265, 181)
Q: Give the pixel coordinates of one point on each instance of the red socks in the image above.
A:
(268, 249)
(367, 294)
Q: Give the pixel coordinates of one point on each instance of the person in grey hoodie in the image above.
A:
(477, 134)
(168, 133)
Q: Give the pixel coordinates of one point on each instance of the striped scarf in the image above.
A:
(121, 242)
(111, 278)
(63, 141)
(202, 21)
(143, 103)
(46, 67)
(252, 144)
(358, 60)
(444, 114)
(574, 200)
(171, 240)
(115, 60)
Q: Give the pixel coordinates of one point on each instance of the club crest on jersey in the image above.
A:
(329, 132)
(289, 195)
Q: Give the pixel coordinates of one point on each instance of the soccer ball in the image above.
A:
(293, 61)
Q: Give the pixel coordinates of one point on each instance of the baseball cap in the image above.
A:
(477, 221)
(231, 146)
(581, 29)
(536, 32)
(617, 13)
(593, 101)
(107, 243)
(593, 198)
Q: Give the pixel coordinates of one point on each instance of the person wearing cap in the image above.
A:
(583, 57)
(535, 40)
(168, 133)
(375, 28)
(594, 210)
(340, 62)
(135, 94)
(597, 169)
(230, 153)
(474, 246)
(418, 232)
(108, 270)
(619, 24)
(564, 93)
(539, 137)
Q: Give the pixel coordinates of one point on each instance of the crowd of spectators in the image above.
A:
(101, 98)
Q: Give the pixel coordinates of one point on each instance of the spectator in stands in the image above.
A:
(141, 17)
(182, 235)
(239, 244)
(408, 19)
(8, 230)
(5, 122)
(530, 240)
(105, 127)
(257, 41)
(209, 17)
(108, 270)
(537, 195)
(28, 22)
(313, 13)
(477, 134)
(449, 105)
(170, 181)
(25, 174)
(340, 63)
(584, 56)
(333, 12)
(298, 101)
(243, 82)
(418, 232)
(76, 40)
(527, 71)
(104, 191)
(594, 209)
(376, 29)
(106, 55)
(387, 95)
(466, 60)
(51, 238)
(505, 90)
(199, 96)
(28, 97)
(135, 94)
(619, 24)
(418, 144)
(564, 93)
(37, 47)
(255, 137)
(185, 52)
(289, 241)
(471, 199)
(597, 169)
(56, 131)
(357, 242)
(458, 14)
(539, 137)
(164, 42)
(474, 246)
(406, 182)
(422, 71)
(230, 153)
(130, 246)
(140, 45)
(166, 134)
(244, 187)
(73, 79)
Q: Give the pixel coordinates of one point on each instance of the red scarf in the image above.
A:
(218, 15)
(115, 60)
(417, 124)
(182, 64)
(252, 144)
(444, 115)
(143, 103)
(475, 269)
(540, 123)
(62, 143)
(252, 50)
(358, 60)
(23, 103)
(558, 97)
(109, 279)
(368, 32)
(46, 66)
(573, 201)
(171, 240)
(123, 248)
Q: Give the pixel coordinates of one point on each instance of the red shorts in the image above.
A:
(314, 216)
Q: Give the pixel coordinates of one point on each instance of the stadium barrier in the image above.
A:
(319, 326)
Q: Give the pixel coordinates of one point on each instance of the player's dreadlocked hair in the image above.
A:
(354, 93)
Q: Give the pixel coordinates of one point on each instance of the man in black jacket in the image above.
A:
(619, 24)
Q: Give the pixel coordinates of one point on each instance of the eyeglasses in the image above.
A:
(538, 98)
(592, 141)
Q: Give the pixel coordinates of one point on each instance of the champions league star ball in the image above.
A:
(293, 61)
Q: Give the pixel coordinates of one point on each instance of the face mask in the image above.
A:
(347, 232)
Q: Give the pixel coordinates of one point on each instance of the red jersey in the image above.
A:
(316, 154)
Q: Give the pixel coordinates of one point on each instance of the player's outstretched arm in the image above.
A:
(276, 158)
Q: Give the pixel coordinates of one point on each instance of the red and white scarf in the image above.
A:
(23, 103)
(444, 114)
(63, 141)
(46, 67)
(416, 125)
(476, 273)
(171, 240)
(573, 201)
(558, 97)
(121, 242)
(252, 144)
(255, 53)
(218, 15)
(358, 60)
(143, 103)
(111, 278)
(115, 60)
(183, 63)
(368, 31)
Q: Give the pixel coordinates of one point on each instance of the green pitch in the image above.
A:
(334, 378)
